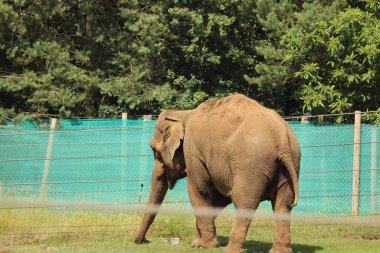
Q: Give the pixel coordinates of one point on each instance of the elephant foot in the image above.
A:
(139, 240)
(276, 248)
(230, 249)
(234, 247)
(200, 243)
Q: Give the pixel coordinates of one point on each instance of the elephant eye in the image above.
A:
(156, 154)
(166, 135)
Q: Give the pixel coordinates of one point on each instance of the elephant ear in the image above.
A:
(173, 135)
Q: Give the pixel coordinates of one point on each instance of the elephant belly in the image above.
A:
(217, 166)
(271, 190)
(222, 181)
(222, 189)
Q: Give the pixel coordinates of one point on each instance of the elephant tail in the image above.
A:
(286, 156)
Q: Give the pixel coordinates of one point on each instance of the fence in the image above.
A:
(110, 161)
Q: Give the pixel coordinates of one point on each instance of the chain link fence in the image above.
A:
(110, 161)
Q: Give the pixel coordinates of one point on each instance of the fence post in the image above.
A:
(49, 151)
(147, 117)
(373, 170)
(123, 162)
(356, 164)
(305, 119)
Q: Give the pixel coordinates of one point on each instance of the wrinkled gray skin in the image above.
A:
(231, 150)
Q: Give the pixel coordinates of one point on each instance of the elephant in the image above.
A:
(232, 150)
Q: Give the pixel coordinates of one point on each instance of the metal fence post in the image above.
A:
(373, 170)
(356, 164)
(49, 151)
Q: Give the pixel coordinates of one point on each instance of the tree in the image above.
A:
(89, 59)
(137, 64)
(337, 62)
(273, 76)
(46, 66)
(211, 47)
(80, 58)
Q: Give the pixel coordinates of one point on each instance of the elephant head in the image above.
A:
(169, 164)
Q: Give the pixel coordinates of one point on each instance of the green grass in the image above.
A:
(42, 230)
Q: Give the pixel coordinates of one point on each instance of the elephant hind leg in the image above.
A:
(205, 224)
(281, 205)
(206, 230)
(238, 234)
(247, 193)
(201, 240)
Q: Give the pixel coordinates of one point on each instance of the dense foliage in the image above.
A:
(91, 59)
(337, 61)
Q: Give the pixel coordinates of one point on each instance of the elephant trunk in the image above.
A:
(157, 195)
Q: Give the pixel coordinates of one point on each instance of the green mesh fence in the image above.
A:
(110, 161)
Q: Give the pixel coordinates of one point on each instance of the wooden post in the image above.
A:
(123, 153)
(147, 117)
(373, 170)
(305, 119)
(326, 202)
(144, 144)
(320, 118)
(49, 151)
(356, 164)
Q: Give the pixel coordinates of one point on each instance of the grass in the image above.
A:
(44, 230)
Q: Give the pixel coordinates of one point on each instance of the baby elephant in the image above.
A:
(231, 150)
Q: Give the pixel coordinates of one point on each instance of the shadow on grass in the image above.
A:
(258, 247)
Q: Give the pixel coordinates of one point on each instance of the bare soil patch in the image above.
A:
(369, 237)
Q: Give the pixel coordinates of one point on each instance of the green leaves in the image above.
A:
(336, 62)
(85, 58)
